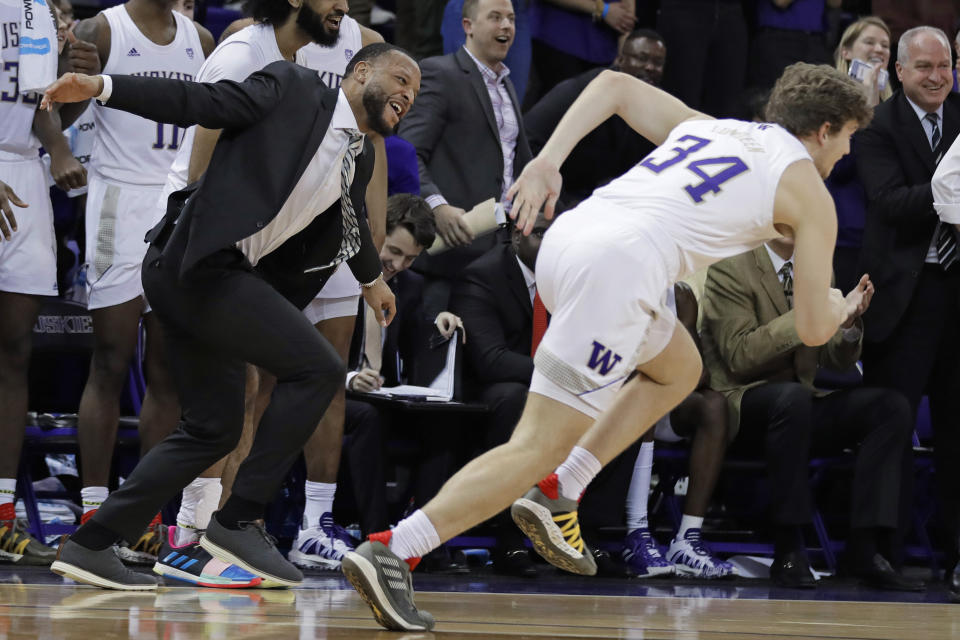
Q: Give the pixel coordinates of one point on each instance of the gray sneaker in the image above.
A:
(383, 580)
(252, 549)
(99, 568)
(551, 523)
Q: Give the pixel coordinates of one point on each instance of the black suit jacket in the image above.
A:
(895, 164)
(406, 336)
(494, 303)
(605, 153)
(273, 124)
(453, 128)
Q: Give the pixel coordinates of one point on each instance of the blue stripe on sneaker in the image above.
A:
(172, 554)
(178, 561)
(189, 564)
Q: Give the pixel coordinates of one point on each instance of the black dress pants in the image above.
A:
(922, 356)
(789, 424)
(220, 317)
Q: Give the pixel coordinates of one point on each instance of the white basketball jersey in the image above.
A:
(248, 50)
(16, 111)
(705, 194)
(331, 62)
(130, 149)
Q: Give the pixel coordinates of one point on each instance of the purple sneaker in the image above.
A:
(642, 555)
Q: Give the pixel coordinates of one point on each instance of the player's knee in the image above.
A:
(110, 365)
(14, 353)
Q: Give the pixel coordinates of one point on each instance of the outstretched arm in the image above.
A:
(649, 111)
(221, 105)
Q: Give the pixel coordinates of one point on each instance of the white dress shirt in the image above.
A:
(530, 278)
(928, 129)
(946, 185)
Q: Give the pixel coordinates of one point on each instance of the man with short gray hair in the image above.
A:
(912, 339)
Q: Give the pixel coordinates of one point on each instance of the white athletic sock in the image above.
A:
(319, 501)
(414, 537)
(209, 502)
(576, 472)
(8, 487)
(92, 497)
(193, 494)
(639, 492)
(689, 522)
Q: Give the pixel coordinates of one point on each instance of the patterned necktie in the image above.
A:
(786, 272)
(540, 322)
(350, 243)
(934, 121)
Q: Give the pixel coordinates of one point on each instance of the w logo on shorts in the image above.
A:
(603, 359)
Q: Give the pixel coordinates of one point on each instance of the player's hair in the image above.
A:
(850, 35)
(903, 44)
(370, 53)
(273, 12)
(469, 10)
(413, 214)
(808, 95)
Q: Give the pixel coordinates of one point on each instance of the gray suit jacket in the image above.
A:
(453, 128)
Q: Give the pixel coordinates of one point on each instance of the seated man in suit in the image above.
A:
(497, 298)
(388, 358)
(756, 359)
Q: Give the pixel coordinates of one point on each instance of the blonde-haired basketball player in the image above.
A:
(713, 188)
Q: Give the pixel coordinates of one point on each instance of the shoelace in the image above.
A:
(12, 539)
(269, 539)
(650, 546)
(700, 547)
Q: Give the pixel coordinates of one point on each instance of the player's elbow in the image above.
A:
(814, 331)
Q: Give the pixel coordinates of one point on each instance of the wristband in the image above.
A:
(606, 10)
(368, 285)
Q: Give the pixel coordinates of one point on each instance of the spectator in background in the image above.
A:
(518, 58)
(707, 40)
(388, 358)
(788, 31)
(418, 27)
(403, 176)
(868, 40)
(756, 359)
(701, 418)
(913, 339)
(497, 298)
(613, 147)
(470, 139)
(573, 36)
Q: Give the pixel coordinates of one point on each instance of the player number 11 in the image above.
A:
(174, 138)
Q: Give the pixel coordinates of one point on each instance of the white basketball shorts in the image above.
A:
(339, 298)
(28, 261)
(118, 218)
(606, 290)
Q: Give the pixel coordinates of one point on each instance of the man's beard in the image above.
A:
(312, 23)
(375, 103)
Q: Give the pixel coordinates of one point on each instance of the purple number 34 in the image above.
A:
(731, 167)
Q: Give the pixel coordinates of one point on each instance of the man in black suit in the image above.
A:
(611, 149)
(912, 340)
(283, 187)
(496, 300)
(469, 137)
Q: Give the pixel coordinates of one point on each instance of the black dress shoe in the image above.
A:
(792, 571)
(880, 575)
(441, 561)
(514, 562)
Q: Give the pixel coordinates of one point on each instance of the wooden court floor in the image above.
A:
(71, 612)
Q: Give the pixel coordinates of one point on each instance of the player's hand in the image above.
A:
(8, 223)
(381, 300)
(858, 300)
(72, 87)
(619, 18)
(67, 171)
(447, 324)
(538, 186)
(451, 226)
(83, 56)
(366, 380)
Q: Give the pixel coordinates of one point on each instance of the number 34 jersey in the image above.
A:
(130, 149)
(705, 194)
